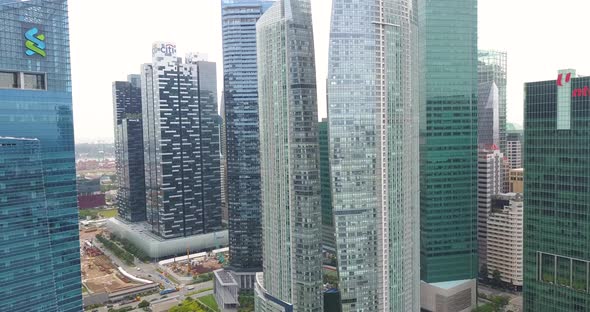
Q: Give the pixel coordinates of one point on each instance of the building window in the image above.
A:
(8, 80)
(34, 81)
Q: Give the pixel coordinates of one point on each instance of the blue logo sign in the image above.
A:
(35, 42)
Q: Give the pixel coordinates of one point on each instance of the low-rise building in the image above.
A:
(226, 291)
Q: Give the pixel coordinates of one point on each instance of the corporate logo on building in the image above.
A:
(168, 49)
(564, 79)
(568, 78)
(35, 42)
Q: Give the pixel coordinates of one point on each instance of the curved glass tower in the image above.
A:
(289, 159)
(373, 125)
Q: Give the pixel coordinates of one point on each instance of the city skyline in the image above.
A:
(92, 84)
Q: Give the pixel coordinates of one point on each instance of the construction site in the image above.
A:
(99, 274)
(193, 265)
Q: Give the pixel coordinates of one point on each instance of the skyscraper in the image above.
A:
(181, 143)
(240, 81)
(36, 103)
(26, 255)
(448, 153)
(373, 123)
(491, 175)
(492, 71)
(129, 149)
(556, 194)
(289, 158)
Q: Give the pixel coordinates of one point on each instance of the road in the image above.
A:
(182, 294)
(149, 271)
(515, 298)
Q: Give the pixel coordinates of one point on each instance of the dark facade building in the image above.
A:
(181, 144)
(129, 149)
(36, 102)
(241, 131)
(557, 194)
(448, 152)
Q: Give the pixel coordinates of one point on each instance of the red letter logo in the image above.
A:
(568, 77)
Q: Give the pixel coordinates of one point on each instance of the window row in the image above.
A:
(21, 80)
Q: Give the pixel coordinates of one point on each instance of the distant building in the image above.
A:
(223, 164)
(514, 145)
(491, 177)
(181, 143)
(129, 149)
(516, 180)
(328, 234)
(505, 238)
(492, 70)
(36, 102)
(90, 201)
(26, 252)
(289, 161)
(88, 185)
(557, 194)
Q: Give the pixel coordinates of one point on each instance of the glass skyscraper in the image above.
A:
(240, 80)
(492, 71)
(129, 149)
(181, 143)
(373, 123)
(36, 103)
(448, 152)
(26, 277)
(557, 194)
(449, 142)
(289, 158)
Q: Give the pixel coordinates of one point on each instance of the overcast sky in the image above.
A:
(112, 38)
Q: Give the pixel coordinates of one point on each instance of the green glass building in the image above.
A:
(557, 195)
(448, 149)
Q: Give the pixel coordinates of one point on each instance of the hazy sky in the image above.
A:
(112, 38)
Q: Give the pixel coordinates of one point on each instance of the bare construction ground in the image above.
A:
(98, 272)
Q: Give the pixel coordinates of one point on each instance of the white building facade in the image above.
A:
(505, 238)
(491, 174)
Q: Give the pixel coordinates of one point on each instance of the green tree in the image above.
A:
(484, 272)
(496, 278)
(188, 305)
(246, 300)
(500, 302)
(143, 304)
